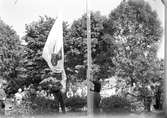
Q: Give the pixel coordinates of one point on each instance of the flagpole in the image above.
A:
(89, 60)
(165, 47)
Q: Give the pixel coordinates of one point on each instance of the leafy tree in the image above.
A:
(136, 32)
(35, 66)
(10, 50)
(76, 53)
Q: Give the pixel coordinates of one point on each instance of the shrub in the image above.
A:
(75, 103)
(41, 105)
(13, 109)
(115, 104)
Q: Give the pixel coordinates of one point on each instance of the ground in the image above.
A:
(83, 115)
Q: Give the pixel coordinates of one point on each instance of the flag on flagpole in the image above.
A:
(53, 51)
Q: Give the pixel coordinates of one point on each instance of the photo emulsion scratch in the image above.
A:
(83, 58)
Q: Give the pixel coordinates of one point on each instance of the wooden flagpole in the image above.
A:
(89, 61)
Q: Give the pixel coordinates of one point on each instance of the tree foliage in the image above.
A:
(76, 53)
(35, 66)
(124, 44)
(136, 31)
(10, 50)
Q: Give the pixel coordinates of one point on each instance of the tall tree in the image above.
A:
(36, 34)
(76, 53)
(136, 31)
(10, 50)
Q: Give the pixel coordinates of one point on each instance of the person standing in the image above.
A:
(70, 93)
(53, 54)
(2, 99)
(148, 96)
(96, 95)
(19, 96)
(58, 89)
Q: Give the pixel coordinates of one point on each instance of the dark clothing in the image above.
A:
(56, 90)
(147, 103)
(60, 98)
(158, 104)
(2, 107)
(148, 96)
(55, 87)
(97, 86)
(2, 97)
(58, 76)
(2, 104)
(96, 103)
(96, 96)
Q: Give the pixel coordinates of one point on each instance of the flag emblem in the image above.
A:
(56, 57)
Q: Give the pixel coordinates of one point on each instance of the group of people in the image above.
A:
(17, 98)
(80, 91)
(58, 94)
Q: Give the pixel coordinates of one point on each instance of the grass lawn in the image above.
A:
(84, 115)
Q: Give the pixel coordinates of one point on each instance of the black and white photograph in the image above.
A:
(83, 58)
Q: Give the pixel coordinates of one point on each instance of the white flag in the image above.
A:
(54, 46)
(53, 51)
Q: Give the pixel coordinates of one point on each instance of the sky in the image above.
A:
(17, 13)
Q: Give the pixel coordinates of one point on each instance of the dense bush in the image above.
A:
(14, 109)
(75, 103)
(41, 105)
(115, 104)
